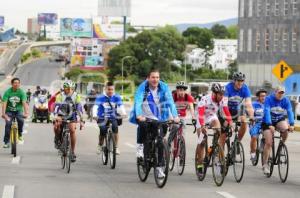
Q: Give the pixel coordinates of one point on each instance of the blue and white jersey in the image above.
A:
(236, 97)
(276, 110)
(102, 109)
(258, 111)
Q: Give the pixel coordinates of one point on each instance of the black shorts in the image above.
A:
(265, 126)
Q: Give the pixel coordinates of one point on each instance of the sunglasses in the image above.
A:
(281, 92)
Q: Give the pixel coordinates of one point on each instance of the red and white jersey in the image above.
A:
(208, 109)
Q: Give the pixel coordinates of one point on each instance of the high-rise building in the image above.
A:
(32, 26)
(268, 32)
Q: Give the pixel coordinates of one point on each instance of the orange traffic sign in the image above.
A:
(282, 71)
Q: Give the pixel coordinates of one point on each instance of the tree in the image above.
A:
(219, 31)
(232, 67)
(202, 37)
(233, 31)
(148, 49)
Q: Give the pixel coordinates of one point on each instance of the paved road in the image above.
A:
(37, 174)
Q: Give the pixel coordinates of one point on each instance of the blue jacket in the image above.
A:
(276, 110)
(168, 107)
(104, 108)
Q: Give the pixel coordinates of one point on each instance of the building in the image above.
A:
(32, 26)
(268, 33)
(224, 53)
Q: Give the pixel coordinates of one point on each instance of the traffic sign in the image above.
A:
(282, 71)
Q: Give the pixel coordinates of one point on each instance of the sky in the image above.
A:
(144, 12)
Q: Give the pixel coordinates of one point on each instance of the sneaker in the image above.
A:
(6, 145)
(140, 151)
(160, 173)
(253, 156)
(99, 149)
(117, 151)
(73, 158)
(266, 169)
(200, 170)
(21, 139)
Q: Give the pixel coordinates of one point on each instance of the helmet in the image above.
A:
(238, 76)
(69, 84)
(181, 84)
(217, 88)
(260, 91)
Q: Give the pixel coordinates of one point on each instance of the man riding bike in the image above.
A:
(28, 95)
(255, 130)
(208, 113)
(153, 100)
(14, 105)
(277, 107)
(66, 97)
(239, 96)
(90, 101)
(105, 109)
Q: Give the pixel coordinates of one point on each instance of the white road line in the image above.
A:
(130, 145)
(8, 191)
(25, 132)
(226, 195)
(16, 160)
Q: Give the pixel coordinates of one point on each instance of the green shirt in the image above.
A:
(14, 100)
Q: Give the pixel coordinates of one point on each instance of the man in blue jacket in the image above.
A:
(277, 106)
(153, 100)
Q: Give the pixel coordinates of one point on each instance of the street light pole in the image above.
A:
(185, 68)
(123, 59)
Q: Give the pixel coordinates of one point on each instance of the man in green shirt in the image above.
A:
(14, 105)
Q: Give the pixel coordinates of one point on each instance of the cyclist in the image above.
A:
(183, 102)
(67, 96)
(255, 130)
(90, 101)
(208, 109)
(238, 95)
(153, 100)
(105, 108)
(28, 95)
(14, 105)
(277, 106)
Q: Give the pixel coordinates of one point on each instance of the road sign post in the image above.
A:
(282, 71)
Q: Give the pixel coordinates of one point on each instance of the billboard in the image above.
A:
(1, 21)
(114, 8)
(76, 27)
(108, 31)
(47, 19)
(7, 35)
(94, 61)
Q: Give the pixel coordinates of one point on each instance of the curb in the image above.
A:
(297, 128)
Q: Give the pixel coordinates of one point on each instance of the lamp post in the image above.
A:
(123, 59)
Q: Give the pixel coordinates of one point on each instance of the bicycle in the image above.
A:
(235, 153)
(154, 147)
(65, 148)
(178, 150)
(14, 136)
(281, 159)
(259, 148)
(214, 157)
(109, 148)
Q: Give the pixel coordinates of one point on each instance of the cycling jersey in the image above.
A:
(258, 111)
(106, 107)
(236, 97)
(182, 103)
(277, 110)
(208, 110)
(62, 98)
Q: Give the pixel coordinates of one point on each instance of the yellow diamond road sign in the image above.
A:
(282, 70)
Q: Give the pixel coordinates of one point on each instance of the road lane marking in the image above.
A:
(8, 191)
(226, 195)
(130, 145)
(16, 160)
(25, 132)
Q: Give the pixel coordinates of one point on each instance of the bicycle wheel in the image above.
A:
(255, 162)
(104, 153)
(283, 162)
(228, 157)
(181, 156)
(238, 161)
(68, 153)
(173, 153)
(218, 165)
(112, 151)
(271, 162)
(63, 161)
(14, 134)
(206, 160)
(143, 169)
(160, 182)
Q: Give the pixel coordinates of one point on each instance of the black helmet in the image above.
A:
(238, 76)
(217, 88)
(258, 92)
(181, 85)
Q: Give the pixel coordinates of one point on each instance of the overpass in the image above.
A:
(50, 43)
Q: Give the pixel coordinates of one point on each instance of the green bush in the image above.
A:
(25, 57)
(36, 53)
